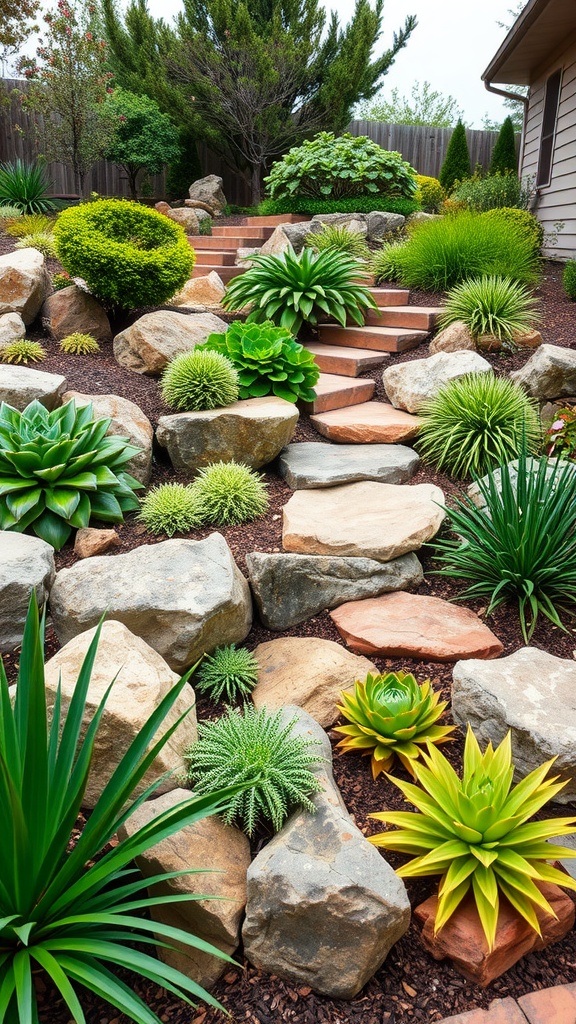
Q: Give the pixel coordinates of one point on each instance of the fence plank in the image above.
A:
(425, 148)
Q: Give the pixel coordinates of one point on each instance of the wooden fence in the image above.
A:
(425, 148)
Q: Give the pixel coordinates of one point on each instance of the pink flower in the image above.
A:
(557, 425)
(89, 37)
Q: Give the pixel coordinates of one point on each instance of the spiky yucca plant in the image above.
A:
(339, 237)
(230, 672)
(78, 344)
(491, 305)
(169, 509)
(58, 469)
(228, 493)
(475, 832)
(250, 743)
(22, 351)
(199, 380)
(391, 716)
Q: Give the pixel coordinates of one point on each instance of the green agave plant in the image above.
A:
(75, 912)
(59, 469)
(475, 832)
(391, 716)
(290, 289)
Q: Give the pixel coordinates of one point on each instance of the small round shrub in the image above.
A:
(522, 221)
(228, 493)
(489, 192)
(491, 305)
(230, 672)
(199, 380)
(79, 344)
(429, 193)
(22, 351)
(169, 509)
(250, 744)
(338, 236)
(569, 279)
(477, 422)
(43, 241)
(129, 255)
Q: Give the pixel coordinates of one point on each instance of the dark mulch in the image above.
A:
(411, 986)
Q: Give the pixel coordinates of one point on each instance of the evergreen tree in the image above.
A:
(456, 164)
(504, 159)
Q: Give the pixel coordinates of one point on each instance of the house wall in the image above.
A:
(557, 201)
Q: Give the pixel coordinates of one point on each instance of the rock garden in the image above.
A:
(336, 494)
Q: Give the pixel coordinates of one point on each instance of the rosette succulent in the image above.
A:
(475, 832)
(59, 469)
(392, 716)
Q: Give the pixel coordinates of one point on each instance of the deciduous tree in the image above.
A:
(144, 139)
(424, 106)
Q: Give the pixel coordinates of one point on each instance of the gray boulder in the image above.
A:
(532, 465)
(19, 386)
(315, 464)
(156, 338)
(12, 328)
(324, 908)
(24, 283)
(410, 385)
(208, 190)
(184, 597)
(380, 224)
(549, 373)
(26, 564)
(354, 222)
(72, 310)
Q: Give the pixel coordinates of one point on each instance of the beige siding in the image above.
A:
(557, 202)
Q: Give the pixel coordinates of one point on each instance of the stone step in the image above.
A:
(224, 242)
(276, 219)
(419, 317)
(217, 258)
(247, 232)
(380, 339)
(225, 273)
(336, 392)
(390, 296)
(371, 423)
(349, 362)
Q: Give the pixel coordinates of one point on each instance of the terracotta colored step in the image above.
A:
(274, 221)
(216, 258)
(390, 296)
(336, 392)
(419, 317)
(380, 339)
(348, 362)
(224, 242)
(246, 232)
(550, 1005)
(226, 273)
(371, 423)
(501, 1011)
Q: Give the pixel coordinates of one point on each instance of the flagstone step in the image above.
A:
(276, 219)
(217, 258)
(251, 231)
(226, 273)
(390, 296)
(380, 339)
(224, 242)
(370, 423)
(336, 392)
(419, 317)
(346, 361)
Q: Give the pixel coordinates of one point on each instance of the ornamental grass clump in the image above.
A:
(475, 833)
(477, 422)
(59, 469)
(227, 494)
(43, 241)
(268, 361)
(169, 509)
(228, 673)
(199, 380)
(252, 743)
(22, 351)
(339, 237)
(30, 224)
(78, 344)
(391, 716)
(491, 305)
(520, 545)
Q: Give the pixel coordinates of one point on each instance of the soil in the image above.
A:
(410, 986)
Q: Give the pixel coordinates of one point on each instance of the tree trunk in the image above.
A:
(256, 184)
(132, 178)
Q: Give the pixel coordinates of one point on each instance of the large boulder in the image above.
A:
(72, 310)
(252, 431)
(549, 373)
(156, 338)
(186, 218)
(129, 421)
(12, 328)
(26, 564)
(208, 190)
(183, 596)
(355, 223)
(20, 385)
(324, 465)
(410, 385)
(297, 234)
(324, 908)
(454, 338)
(217, 916)
(380, 224)
(278, 243)
(141, 680)
(201, 291)
(289, 589)
(530, 692)
(24, 283)
(532, 468)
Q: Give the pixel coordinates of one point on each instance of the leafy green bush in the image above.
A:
(521, 544)
(291, 290)
(504, 157)
(491, 305)
(493, 191)
(268, 361)
(30, 224)
(73, 909)
(230, 672)
(25, 186)
(391, 716)
(475, 832)
(169, 509)
(456, 164)
(477, 422)
(569, 279)
(199, 380)
(358, 204)
(522, 221)
(227, 494)
(429, 193)
(561, 436)
(22, 351)
(129, 255)
(78, 344)
(339, 237)
(441, 253)
(60, 281)
(58, 469)
(333, 167)
(43, 241)
(248, 743)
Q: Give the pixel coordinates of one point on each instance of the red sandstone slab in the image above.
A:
(551, 1005)
(371, 423)
(346, 361)
(408, 625)
(336, 392)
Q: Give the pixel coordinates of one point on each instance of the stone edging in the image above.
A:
(548, 1006)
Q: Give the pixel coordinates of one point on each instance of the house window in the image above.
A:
(551, 99)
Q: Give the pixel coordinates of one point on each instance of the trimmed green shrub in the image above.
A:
(522, 221)
(491, 305)
(78, 344)
(199, 380)
(456, 164)
(268, 361)
(22, 351)
(228, 494)
(230, 672)
(429, 194)
(43, 241)
(129, 255)
(339, 237)
(254, 744)
(569, 279)
(26, 187)
(169, 509)
(358, 204)
(504, 159)
(477, 422)
(481, 193)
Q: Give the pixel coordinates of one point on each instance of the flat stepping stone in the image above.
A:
(336, 392)
(371, 423)
(347, 361)
(408, 625)
(364, 520)
(314, 464)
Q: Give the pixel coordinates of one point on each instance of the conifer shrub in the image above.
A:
(456, 164)
(504, 158)
(569, 279)
(169, 509)
(227, 494)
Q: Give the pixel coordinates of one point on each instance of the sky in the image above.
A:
(452, 45)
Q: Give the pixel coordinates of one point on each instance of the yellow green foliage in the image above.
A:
(429, 193)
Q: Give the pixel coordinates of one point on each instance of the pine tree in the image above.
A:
(456, 164)
(504, 159)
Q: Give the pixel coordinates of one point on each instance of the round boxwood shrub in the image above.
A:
(128, 255)
(429, 193)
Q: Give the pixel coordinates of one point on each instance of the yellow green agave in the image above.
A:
(391, 716)
(475, 832)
